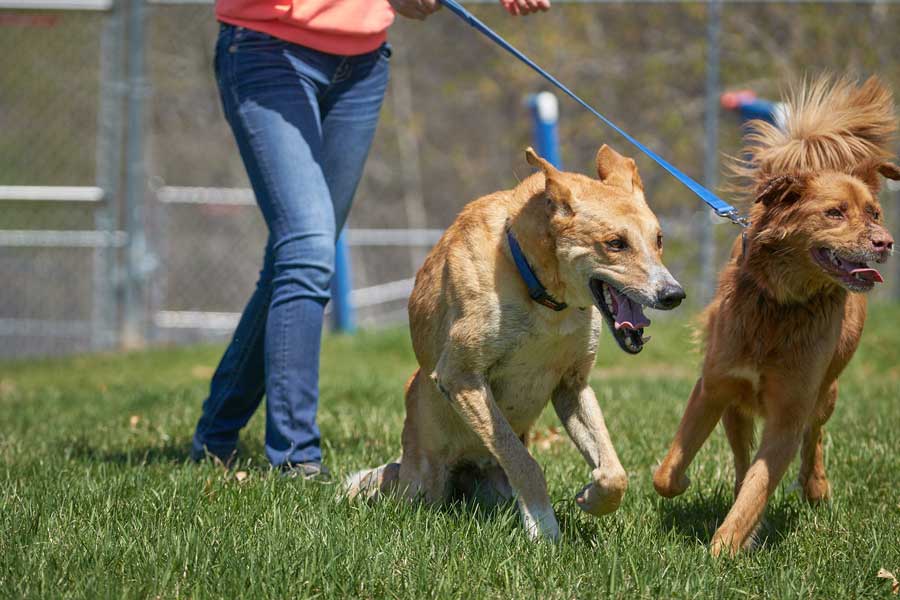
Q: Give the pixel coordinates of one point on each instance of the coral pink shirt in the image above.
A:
(345, 27)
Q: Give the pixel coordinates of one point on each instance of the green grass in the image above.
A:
(93, 505)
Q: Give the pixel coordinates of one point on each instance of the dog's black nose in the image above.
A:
(670, 296)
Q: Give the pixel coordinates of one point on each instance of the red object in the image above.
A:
(733, 100)
(26, 20)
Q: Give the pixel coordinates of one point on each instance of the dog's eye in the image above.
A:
(659, 241)
(616, 244)
(834, 213)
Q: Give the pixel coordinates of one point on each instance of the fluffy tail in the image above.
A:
(832, 124)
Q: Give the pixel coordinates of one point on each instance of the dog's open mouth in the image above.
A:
(855, 275)
(624, 316)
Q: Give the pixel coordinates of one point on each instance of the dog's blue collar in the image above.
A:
(536, 290)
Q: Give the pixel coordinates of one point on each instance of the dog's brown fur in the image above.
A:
(490, 358)
(781, 328)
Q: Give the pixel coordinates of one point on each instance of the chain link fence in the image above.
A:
(124, 210)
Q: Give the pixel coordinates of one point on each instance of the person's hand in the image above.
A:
(415, 9)
(525, 7)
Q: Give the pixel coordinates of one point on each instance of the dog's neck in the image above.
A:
(774, 272)
(532, 232)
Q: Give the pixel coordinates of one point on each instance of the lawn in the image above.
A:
(97, 498)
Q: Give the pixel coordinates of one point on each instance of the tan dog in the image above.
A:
(789, 309)
(490, 358)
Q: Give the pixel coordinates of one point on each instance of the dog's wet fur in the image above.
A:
(790, 305)
(490, 358)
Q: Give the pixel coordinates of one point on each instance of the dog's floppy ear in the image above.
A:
(784, 189)
(889, 171)
(554, 188)
(615, 169)
(869, 170)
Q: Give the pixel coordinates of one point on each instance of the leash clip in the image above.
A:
(732, 215)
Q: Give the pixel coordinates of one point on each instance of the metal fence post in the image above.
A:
(110, 135)
(705, 233)
(341, 284)
(545, 114)
(137, 259)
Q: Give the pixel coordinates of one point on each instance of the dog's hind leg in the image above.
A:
(705, 407)
(813, 479)
(371, 484)
(577, 408)
(424, 472)
(739, 431)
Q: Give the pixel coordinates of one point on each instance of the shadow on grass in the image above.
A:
(173, 452)
(571, 527)
(696, 517)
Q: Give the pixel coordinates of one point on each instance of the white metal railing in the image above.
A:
(42, 238)
(51, 193)
(195, 319)
(173, 194)
(227, 321)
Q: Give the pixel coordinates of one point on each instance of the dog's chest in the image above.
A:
(524, 379)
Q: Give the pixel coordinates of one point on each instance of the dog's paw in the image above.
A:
(539, 523)
(603, 495)
(727, 544)
(719, 547)
(669, 486)
(816, 490)
(357, 486)
(369, 484)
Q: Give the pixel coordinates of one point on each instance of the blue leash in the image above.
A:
(721, 208)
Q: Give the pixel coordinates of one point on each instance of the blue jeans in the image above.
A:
(304, 122)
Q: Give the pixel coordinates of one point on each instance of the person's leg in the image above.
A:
(270, 96)
(239, 381)
(350, 109)
(349, 105)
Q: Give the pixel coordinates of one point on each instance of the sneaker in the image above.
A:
(307, 471)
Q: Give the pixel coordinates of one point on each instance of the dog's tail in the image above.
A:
(830, 124)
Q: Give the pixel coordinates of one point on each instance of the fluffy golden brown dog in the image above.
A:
(491, 358)
(790, 306)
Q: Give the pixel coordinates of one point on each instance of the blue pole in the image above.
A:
(342, 318)
(545, 114)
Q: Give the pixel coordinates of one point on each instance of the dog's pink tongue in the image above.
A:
(629, 315)
(870, 275)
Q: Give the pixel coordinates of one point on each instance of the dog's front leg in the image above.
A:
(577, 407)
(471, 397)
(776, 450)
(789, 406)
